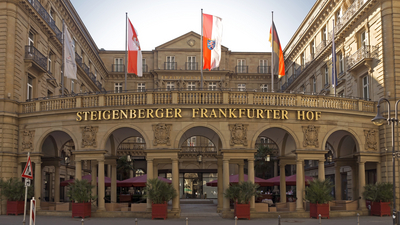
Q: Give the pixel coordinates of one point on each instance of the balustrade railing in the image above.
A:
(365, 52)
(191, 66)
(35, 55)
(57, 104)
(198, 149)
(264, 69)
(192, 97)
(321, 47)
(126, 99)
(170, 66)
(241, 69)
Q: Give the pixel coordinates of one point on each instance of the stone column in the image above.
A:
(299, 185)
(275, 174)
(241, 171)
(78, 170)
(113, 183)
(250, 178)
(338, 182)
(155, 170)
(56, 183)
(220, 186)
(175, 184)
(94, 179)
(149, 176)
(131, 174)
(361, 184)
(101, 184)
(226, 206)
(108, 170)
(19, 169)
(354, 182)
(38, 183)
(321, 170)
(378, 172)
(283, 183)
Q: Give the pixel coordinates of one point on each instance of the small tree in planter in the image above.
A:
(13, 190)
(241, 195)
(319, 195)
(381, 195)
(159, 193)
(80, 193)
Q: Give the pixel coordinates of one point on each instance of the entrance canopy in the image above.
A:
(234, 179)
(139, 181)
(290, 180)
(107, 181)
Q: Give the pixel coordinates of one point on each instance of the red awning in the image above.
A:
(234, 179)
(139, 181)
(290, 180)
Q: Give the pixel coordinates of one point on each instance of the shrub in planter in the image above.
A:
(318, 193)
(241, 195)
(381, 195)
(80, 193)
(159, 193)
(13, 190)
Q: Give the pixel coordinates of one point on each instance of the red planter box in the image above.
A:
(380, 208)
(316, 209)
(242, 210)
(81, 209)
(15, 207)
(159, 210)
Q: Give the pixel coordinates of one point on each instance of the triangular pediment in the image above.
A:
(188, 41)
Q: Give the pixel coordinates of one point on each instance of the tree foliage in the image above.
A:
(242, 192)
(319, 191)
(379, 192)
(80, 191)
(262, 167)
(159, 191)
(124, 166)
(13, 189)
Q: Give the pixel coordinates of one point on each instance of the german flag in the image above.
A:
(278, 60)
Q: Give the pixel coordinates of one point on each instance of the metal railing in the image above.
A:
(46, 17)
(321, 47)
(118, 68)
(78, 59)
(241, 69)
(264, 69)
(365, 52)
(35, 55)
(198, 149)
(85, 68)
(170, 66)
(350, 12)
(191, 66)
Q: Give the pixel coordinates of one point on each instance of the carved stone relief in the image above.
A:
(89, 136)
(238, 134)
(27, 140)
(162, 134)
(310, 136)
(370, 140)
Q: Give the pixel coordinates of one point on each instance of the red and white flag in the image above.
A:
(134, 52)
(212, 38)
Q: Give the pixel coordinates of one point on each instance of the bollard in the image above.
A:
(83, 221)
(235, 220)
(136, 221)
(187, 221)
(279, 220)
(319, 219)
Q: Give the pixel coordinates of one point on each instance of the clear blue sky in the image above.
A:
(246, 23)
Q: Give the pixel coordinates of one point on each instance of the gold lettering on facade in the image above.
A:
(222, 112)
(132, 114)
(93, 115)
(310, 115)
(284, 114)
(124, 114)
(86, 113)
(168, 113)
(276, 115)
(203, 113)
(241, 112)
(300, 115)
(260, 114)
(161, 115)
(106, 117)
(231, 113)
(79, 117)
(248, 114)
(115, 115)
(195, 112)
(141, 114)
(150, 113)
(178, 113)
(213, 114)
(268, 113)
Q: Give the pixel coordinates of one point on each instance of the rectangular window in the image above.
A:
(51, 12)
(49, 66)
(314, 82)
(170, 85)
(31, 38)
(170, 63)
(338, 15)
(341, 94)
(264, 87)
(365, 82)
(341, 63)
(241, 66)
(29, 91)
(144, 66)
(302, 60)
(191, 86)
(141, 87)
(326, 75)
(118, 65)
(363, 39)
(191, 63)
(263, 66)
(212, 86)
(117, 87)
(241, 87)
(72, 86)
(323, 34)
(312, 49)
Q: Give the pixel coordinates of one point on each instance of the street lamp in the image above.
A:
(380, 120)
(267, 158)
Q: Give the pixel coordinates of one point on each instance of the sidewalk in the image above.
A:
(211, 220)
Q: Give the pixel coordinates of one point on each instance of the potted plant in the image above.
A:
(381, 195)
(159, 193)
(241, 195)
(80, 193)
(318, 193)
(13, 190)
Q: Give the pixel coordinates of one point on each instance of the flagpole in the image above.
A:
(201, 52)
(334, 79)
(272, 58)
(126, 49)
(63, 63)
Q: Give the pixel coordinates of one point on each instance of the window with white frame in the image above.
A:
(191, 86)
(241, 87)
(170, 85)
(264, 87)
(341, 63)
(117, 87)
(170, 63)
(314, 83)
(363, 39)
(326, 75)
(51, 13)
(144, 66)
(29, 90)
(72, 86)
(31, 38)
(212, 86)
(191, 141)
(312, 48)
(49, 65)
(118, 65)
(302, 60)
(323, 34)
(338, 14)
(365, 83)
(191, 63)
(141, 87)
(241, 66)
(263, 66)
